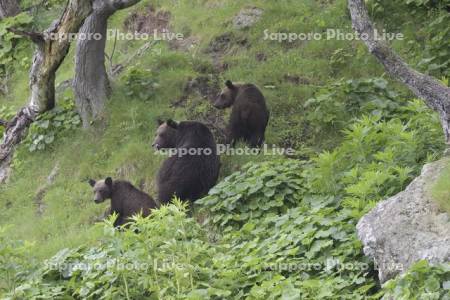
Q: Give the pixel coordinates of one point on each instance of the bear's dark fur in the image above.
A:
(126, 200)
(189, 177)
(249, 115)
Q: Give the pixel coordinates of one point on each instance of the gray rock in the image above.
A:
(247, 17)
(407, 227)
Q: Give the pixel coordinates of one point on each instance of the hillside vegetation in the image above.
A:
(273, 227)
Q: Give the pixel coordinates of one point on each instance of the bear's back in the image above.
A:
(129, 200)
(190, 176)
(250, 95)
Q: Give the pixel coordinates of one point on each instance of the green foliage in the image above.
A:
(11, 44)
(160, 262)
(440, 190)
(335, 106)
(258, 189)
(6, 114)
(267, 258)
(51, 125)
(377, 157)
(429, 3)
(421, 281)
(425, 26)
(310, 251)
(437, 50)
(140, 83)
(14, 264)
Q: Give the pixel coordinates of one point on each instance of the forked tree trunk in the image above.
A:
(9, 8)
(435, 94)
(91, 82)
(47, 58)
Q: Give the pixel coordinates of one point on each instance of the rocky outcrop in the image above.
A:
(407, 227)
(247, 17)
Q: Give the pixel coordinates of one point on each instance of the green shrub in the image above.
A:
(255, 191)
(160, 262)
(334, 107)
(140, 83)
(6, 114)
(436, 59)
(421, 281)
(378, 158)
(11, 44)
(14, 264)
(305, 252)
(52, 124)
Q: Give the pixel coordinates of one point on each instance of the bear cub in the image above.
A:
(249, 114)
(193, 167)
(126, 200)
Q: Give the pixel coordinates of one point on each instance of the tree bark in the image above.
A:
(435, 94)
(9, 8)
(47, 58)
(91, 83)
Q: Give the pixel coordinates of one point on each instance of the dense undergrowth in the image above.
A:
(272, 227)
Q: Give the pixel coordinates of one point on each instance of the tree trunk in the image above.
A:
(91, 82)
(48, 56)
(435, 94)
(9, 8)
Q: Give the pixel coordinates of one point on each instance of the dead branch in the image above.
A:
(35, 37)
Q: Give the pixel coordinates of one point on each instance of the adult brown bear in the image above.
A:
(193, 167)
(126, 200)
(249, 115)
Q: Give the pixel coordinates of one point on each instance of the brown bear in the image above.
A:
(126, 200)
(249, 115)
(193, 166)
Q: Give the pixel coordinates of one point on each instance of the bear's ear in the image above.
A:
(172, 123)
(229, 84)
(108, 181)
(92, 182)
(159, 121)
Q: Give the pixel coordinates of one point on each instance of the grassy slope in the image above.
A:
(122, 148)
(439, 189)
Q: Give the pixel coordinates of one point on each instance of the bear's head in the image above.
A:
(227, 96)
(166, 135)
(102, 189)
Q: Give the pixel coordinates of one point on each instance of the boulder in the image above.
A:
(247, 17)
(407, 227)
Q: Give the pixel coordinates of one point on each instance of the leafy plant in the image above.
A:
(14, 265)
(11, 44)
(6, 114)
(52, 124)
(334, 107)
(421, 281)
(377, 158)
(255, 191)
(437, 52)
(140, 83)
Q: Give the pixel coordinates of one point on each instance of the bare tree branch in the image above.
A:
(35, 37)
(122, 4)
(435, 94)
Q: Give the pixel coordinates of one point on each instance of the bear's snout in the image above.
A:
(218, 105)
